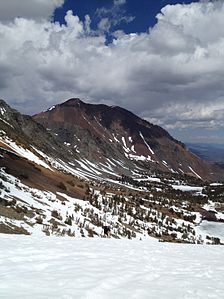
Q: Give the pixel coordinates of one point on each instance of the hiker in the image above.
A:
(106, 231)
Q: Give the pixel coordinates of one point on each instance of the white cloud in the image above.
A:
(119, 2)
(87, 24)
(104, 25)
(112, 16)
(172, 74)
(33, 9)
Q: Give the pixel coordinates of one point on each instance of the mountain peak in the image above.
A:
(98, 132)
(4, 104)
(72, 102)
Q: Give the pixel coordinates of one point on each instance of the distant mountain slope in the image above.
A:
(209, 152)
(99, 132)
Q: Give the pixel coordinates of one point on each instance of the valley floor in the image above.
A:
(55, 267)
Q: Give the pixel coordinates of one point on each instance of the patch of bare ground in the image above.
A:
(12, 229)
(41, 178)
(11, 213)
(10, 210)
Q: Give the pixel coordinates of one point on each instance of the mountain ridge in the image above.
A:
(99, 131)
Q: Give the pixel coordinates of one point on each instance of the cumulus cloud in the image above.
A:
(33, 9)
(172, 74)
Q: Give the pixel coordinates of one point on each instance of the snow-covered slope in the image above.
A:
(138, 214)
(58, 268)
(48, 188)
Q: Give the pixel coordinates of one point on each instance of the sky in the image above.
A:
(162, 60)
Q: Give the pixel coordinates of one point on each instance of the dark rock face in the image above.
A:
(26, 131)
(210, 216)
(98, 132)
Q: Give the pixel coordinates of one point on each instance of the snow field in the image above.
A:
(38, 268)
(215, 229)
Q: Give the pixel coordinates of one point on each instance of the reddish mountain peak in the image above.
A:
(98, 132)
(74, 102)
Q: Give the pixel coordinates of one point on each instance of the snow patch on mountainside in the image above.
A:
(4, 121)
(188, 188)
(2, 111)
(23, 152)
(152, 152)
(51, 108)
(197, 175)
(139, 158)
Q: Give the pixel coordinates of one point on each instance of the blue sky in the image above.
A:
(143, 11)
(163, 60)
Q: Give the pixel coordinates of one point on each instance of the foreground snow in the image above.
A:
(51, 267)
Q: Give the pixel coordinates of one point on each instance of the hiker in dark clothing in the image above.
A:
(106, 231)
